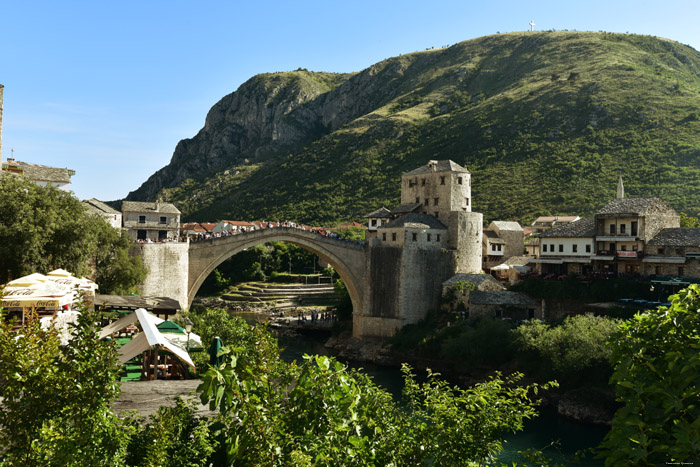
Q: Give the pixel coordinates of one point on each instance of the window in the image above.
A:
(612, 247)
(417, 200)
(551, 248)
(661, 251)
(561, 248)
(633, 228)
(438, 238)
(574, 248)
(141, 234)
(681, 271)
(459, 180)
(623, 247)
(427, 202)
(437, 214)
(588, 248)
(393, 236)
(162, 234)
(442, 180)
(374, 222)
(163, 220)
(466, 201)
(436, 201)
(422, 182)
(544, 248)
(429, 237)
(384, 237)
(622, 228)
(414, 237)
(612, 229)
(410, 183)
(142, 219)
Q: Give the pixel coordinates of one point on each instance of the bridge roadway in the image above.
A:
(348, 258)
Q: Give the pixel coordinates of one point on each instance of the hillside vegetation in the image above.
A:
(545, 121)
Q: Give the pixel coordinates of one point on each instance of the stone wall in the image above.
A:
(168, 265)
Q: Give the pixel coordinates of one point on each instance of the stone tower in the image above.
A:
(433, 235)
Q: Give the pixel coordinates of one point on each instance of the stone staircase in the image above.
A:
(284, 294)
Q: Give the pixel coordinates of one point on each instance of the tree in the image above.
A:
(56, 407)
(656, 358)
(44, 228)
(319, 412)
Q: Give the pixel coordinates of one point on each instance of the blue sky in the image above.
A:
(109, 88)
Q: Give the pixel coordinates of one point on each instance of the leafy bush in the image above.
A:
(656, 356)
(574, 352)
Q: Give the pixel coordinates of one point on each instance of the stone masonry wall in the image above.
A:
(167, 265)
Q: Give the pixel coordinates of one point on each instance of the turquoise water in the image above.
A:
(566, 436)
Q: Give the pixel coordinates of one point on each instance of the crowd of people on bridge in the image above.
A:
(323, 231)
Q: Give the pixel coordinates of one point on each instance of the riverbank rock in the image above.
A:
(365, 350)
(588, 405)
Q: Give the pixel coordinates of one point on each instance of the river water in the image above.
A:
(547, 429)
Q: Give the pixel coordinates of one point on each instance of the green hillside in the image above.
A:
(545, 121)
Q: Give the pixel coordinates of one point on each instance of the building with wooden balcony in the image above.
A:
(622, 229)
(151, 221)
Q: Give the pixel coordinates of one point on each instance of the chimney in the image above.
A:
(433, 165)
(1, 88)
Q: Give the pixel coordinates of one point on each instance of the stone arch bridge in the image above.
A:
(347, 258)
(389, 286)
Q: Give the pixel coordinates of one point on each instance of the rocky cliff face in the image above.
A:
(554, 116)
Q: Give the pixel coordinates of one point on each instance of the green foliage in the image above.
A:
(321, 413)
(486, 342)
(44, 228)
(56, 407)
(656, 357)
(356, 234)
(173, 437)
(344, 307)
(689, 222)
(574, 352)
(252, 344)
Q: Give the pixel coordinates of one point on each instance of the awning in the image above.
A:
(151, 337)
(602, 258)
(547, 260)
(663, 259)
(577, 260)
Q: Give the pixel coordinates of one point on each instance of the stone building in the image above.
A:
(151, 221)
(615, 240)
(544, 223)
(109, 214)
(501, 240)
(414, 231)
(432, 235)
(42, 175)
(623, 227)
(673, 252)
(503, 304)
(440, 188)
(375, 220)
(566, 249)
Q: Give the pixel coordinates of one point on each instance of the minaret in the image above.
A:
(620, 189)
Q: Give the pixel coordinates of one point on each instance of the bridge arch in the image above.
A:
(347, 258)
